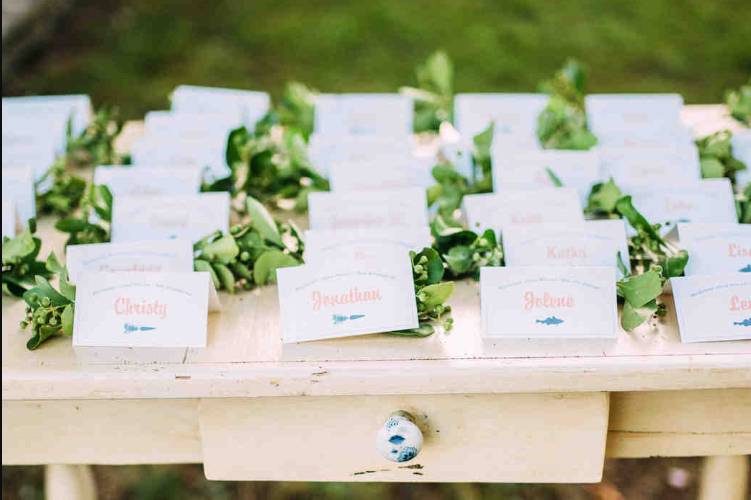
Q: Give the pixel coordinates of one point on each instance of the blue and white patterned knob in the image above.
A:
(399, 440)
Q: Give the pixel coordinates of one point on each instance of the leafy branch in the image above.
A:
(563, 122)
(739, 103)
(434, 94)
(463, 251)
(84, 228)
(20, 264)
(716, 156)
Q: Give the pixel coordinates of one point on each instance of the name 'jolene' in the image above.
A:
(547, 301)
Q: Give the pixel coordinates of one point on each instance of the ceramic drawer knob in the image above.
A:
(399, 440)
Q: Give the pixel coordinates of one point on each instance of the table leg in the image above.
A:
(724, 478)
(69, 482)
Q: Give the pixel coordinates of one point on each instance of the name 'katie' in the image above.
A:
(547, 301)
(125, 307)
(353, 296)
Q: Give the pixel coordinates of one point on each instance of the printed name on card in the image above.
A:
(322, 302)
(149, 180)
(538, 206)
(141, 309)
(588, 243)
(18, 187)
(609, 114)
(178, 217)
(136, 256)
(368, 209)
(713, 307)
(708, 200)
(548, 302)
(363, 245)
(538, 169)
(716, 248)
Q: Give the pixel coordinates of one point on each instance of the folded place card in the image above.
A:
(141, 310)
(644, 165)
(618, 113)
(514, 116)
(9, 219)
(538, 206)
(137, 256)
(331, 301)
(37, 157)
(249, 105)
(368, 209)
(186, 217)
(18, 186)
(149, 181)
(361, 245)
(385, 173)
(208, 154)
(168, 125)
(708, 200)
(588, 243)
(713, 307)
(76, 108)
(363, 114)
(323, 150)
(716, 248)
(548, 302)
(537, 169)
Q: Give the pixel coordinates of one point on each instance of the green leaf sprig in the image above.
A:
(463, 251)
(20, 264)
(743, 205)
(431, 294)
(716, 156)
(84, 228)
(563, 122)
(251, 253)
(739, 103)
(434, 94)
(49, 310)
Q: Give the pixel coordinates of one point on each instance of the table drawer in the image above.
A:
(488, 438)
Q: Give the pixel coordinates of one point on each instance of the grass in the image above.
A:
(134, 53)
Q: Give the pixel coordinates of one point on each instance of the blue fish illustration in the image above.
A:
(128, 328)
(746, 269)
(550, 320)
(745, 322)
(341, 319)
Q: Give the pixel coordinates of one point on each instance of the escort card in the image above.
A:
(206, 154)
(529, 169)
(548, 302)
(609, 114)
(137, 256)
(716, 248)
(708, 200)
(363, 114)
(713, 307)
(9, 219)
(635, 166)
(248, 105)
(149, 181)
(514, 115)
(186, 217)
(322, 302)
(385, 173)
(77, 108)
(18, 186)
(141, 310)
(168, 125)
(368, 209)
(358, 245)
(588, 243)
(498, 210)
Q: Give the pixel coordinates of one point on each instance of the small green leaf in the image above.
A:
(437, 293)
(262, 221)
(264, 270)
(202, 266)
(459, 259)
(223, 250)
(424, 330)
(553, 178)
(712, 168)
(15, 249)
(632, 317)
(225, 276)
(640, 289)
(67, 320)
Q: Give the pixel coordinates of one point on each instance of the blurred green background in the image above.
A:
(133, 53)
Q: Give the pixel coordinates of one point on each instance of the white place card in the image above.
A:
(529, 169)
(149, 180)
(741, 142)
(514, 115)
(248, 105)
(363, 114)
(74, 107)
(141, 310)
(361, 245)
(379, 174)
(134, 257)
(21, 133)
(179, 217)
(713, 307)
(168, 125)
(18, 186)
(609, 114)
(538, 206)
(638, 166)
(39, 158)
(708, 200)
(548, 302)
(588, 243)
(207, 154)
(324, 150)
(716, 248)
(368, 209)
(9, 219)
(323, 302)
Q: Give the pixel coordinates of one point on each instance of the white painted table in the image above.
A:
(249, 409)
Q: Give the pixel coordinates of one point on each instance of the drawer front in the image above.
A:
(680, 423)
(487, 438)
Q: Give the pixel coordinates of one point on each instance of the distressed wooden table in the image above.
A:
(248, 408)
